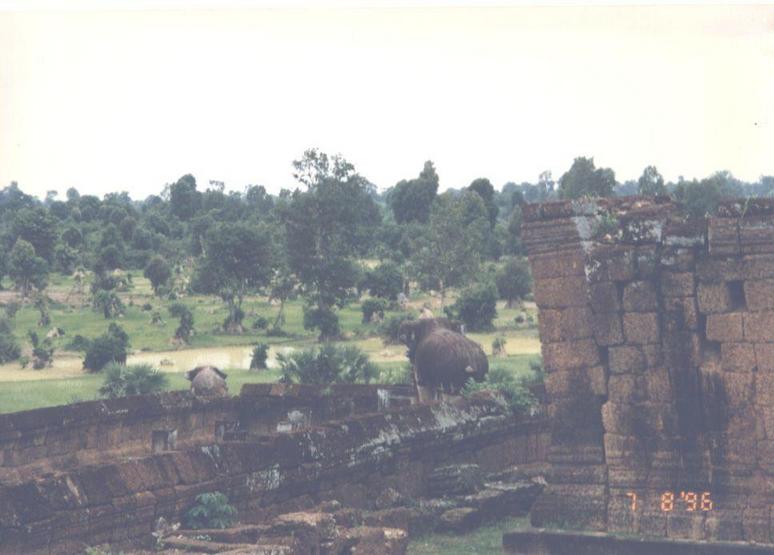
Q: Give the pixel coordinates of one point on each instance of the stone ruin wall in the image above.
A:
(272, 449)
(658, 342)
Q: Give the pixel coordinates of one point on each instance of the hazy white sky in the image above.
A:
(131, 100)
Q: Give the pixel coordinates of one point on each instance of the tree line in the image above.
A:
(308, 241)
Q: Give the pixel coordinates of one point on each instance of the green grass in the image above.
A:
(16, 396)
(485, 540)
(19, 393)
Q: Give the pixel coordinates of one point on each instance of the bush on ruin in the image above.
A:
(515, 390)
(138, 379)
(212, 510)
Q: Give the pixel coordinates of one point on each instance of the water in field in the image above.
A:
(68, 365)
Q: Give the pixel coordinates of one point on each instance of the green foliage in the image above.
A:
(515, 391)
(606, 226)
(11, 308)
(42, 351)
(476, 306)
(260, 323)
(78, 343)
(412, 200)
(389, 328)
(38, 228)
(158, 272)
(326, 226)
(386, 281)
(701, 198)
(212, 510)
(450, 251)
(584, 179)
(513, 280)
(107, 302)
(372, 307)
(397, 375)
(323, 319)
(9, 348)
(186, 327)
(109, 347)
(238, 260)
(328, 364)
(651, 183)
(483, 188)
(138, 379)
(258, 359)
(26, 269)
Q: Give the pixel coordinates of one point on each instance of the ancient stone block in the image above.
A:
(757, 267)
(561, 292)
(764, 356)
(604, 297)
(723, 236)
(608, 329)
(554, 265)
(682, 312)
(626, 360)
(641, 327)
(756, 235)
(640, 296)
(677, 284)
(565, 324)
(720, 269)
(759, 326)
(610, 263)
(738, 357)
(570, 354)
(759, 294)
(713, 297)
(725, 327)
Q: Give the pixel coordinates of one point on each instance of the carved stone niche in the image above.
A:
(164, 440)
(226, 429)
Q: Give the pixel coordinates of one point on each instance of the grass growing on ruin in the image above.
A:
(485, 540)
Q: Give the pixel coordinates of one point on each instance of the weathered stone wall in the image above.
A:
(352, 459)
(658, 342)
(57, 438)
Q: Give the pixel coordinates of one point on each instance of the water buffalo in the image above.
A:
(442, 358)
(208, 381)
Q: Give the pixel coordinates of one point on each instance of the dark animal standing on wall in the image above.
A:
(208, 381)
(442, 358)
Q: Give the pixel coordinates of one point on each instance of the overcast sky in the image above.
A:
(131, 100)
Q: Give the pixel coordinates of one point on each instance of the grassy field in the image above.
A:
(22, 389)
(484, 541)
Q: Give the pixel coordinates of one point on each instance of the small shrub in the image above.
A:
(260, 354)
(498, 346)
(390, 327)
(515, 391)
(9, 348)
(396, 376)
(138, 379)
(24, 361)
(147, 307)
(260, 323)
(386, 281)
(212, 510)
(186, 327)
(329, 364)
(42, 351)
(275, 331)
(476, 306)
(606, 227)
(373, 307)
(108, 347)
(324, 319)
(11, 308)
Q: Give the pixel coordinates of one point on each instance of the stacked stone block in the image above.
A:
(671, 326)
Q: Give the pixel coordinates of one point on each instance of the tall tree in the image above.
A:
(412, 200)
(238, 260)
(27, 270)
(450, 252)
(483, 188)
(651, 183)
(36, 226)
(584, 179)
(184, 199)
(327, 225)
